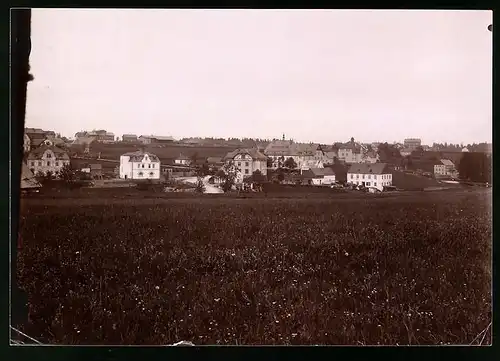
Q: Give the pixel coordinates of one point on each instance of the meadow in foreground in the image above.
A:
(409, 270)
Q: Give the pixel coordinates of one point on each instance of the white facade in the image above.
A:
(139, 165)
(370, 180)
(247, 165)
(325, 180)
(48, 161)
(182, 161)
(349, 156)
(445, 169)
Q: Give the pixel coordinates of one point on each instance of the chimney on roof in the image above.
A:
(283, 136)
(352, 139)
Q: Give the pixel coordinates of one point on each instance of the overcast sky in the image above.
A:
(315, 75)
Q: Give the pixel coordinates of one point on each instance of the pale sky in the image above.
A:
(315, 75)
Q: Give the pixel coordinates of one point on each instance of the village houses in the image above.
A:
(46, 159)
(247, 161)
(139, 165)
(376, 175)
(305, 156)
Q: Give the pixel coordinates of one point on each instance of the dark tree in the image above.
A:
(475, 167)
(66, 173)
(290, 163)
(258, 177)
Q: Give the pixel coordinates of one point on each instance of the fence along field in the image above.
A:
(411, 270)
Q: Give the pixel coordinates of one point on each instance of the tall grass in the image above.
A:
(409, 270)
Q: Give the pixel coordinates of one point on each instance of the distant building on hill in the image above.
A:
(412, 143)
(156, 139)
(101, 136)
(139, 165)
(131, 138)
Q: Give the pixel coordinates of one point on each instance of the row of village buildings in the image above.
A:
(314, 161)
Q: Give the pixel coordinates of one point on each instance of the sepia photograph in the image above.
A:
(252, 177)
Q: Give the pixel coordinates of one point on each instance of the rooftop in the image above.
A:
(369, 168)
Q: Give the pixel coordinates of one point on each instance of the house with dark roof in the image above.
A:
(375, 175)
(95, 170)
(445, 168)
(247, 161)
(319, 176)
(139, 165)
(46, 159)
(182, 160)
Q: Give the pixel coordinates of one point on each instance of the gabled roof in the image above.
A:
(254, 153)
(138, 156)
(317, 172)
(447, 162)
(369, 168)
(37, 153)
(278, 147)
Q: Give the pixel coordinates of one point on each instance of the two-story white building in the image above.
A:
(46, 159)
(247, 161)
(139, 165)
(375, 175)
(445, 168)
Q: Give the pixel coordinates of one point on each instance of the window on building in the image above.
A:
(246, 164)
(246, 171)
(40, 163)
(48, 163)
(357, 176)
(375, 184)
(57, 164)
(151, 174)
(140, 174)
(239, 164)
(368, 184)
(153, 165)
(49, 155)
(352, 176)
(32, 164)
(149, 165)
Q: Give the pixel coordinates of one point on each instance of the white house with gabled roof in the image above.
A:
(376, 175)
(139, 165)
